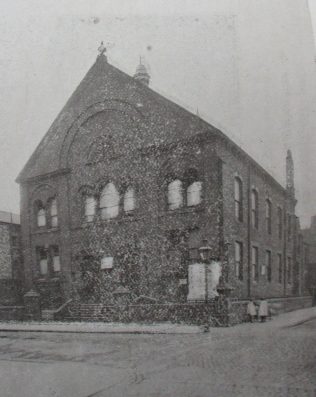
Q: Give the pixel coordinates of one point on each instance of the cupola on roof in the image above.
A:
(142, 74)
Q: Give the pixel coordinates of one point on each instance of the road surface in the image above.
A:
(250, 360)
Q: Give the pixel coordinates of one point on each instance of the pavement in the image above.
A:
(283, 320)
(294, 318)
(100, 327)
(272, 359)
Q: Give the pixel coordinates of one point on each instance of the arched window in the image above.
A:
(109, 202)
(254, 209)
(289, 227)
(40, 215)
(129, 200)
(280, 223)
(53, 213)
(89, 208)
(239, 259)
(268, 215)
(238, 193)
(194, 193)
(175, 198)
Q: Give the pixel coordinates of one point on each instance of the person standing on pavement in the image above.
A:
(263, 310)
(251, 311)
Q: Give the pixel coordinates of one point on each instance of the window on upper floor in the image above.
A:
(280, 268)
(289, 226)
(280, 222)
(90, 205)
(175, 194)
(40, 215)
(109, 202)
(129, 200)
(194, 191)
(239, 260)
(254, 209)
(268, 216)
(238, 195)
(53, 213)
(300, 244)
(289, 270)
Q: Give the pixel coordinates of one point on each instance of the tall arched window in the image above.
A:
(175, 197)
(280, 223)
(129, 200)
(194, 193)
(89, 208)
(238, 193)
(109, 202)
(254, 209)
(40, 214)
(268, 216)
(53, 213)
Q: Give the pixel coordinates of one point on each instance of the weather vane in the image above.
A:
(102, 49)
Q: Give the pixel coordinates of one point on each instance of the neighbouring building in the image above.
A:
(309, 239)
(124, 187)
(11, 270)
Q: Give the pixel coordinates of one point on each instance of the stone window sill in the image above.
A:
(47, 279)
(46, 230)
(183, 210)
(130, 216)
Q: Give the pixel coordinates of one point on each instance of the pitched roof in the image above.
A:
(105, 82)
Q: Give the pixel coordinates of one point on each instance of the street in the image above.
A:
(246, 360)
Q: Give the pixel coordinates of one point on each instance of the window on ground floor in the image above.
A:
(254, 261)
(239, 260)
(280, 268)
(269, 265)
(42, 259)
(289, 270)
(56, 259)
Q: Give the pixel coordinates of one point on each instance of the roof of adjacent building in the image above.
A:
(105, 82)
(9, 217)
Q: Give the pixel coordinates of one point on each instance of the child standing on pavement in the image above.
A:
(251, 311)
(263, 310)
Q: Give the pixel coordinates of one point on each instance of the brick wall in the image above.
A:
(186, 313)
(242, 231)
(5, 252)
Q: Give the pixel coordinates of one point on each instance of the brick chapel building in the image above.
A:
(124, 187)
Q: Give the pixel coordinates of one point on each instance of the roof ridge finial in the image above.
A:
(102, 49)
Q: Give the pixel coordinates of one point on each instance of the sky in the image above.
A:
(247, 66)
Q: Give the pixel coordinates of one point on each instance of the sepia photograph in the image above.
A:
(158, 198)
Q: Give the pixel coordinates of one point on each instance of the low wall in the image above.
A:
(213, 313)
(12, 313)
(276, 306)
(283, 305)
(10, 292)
